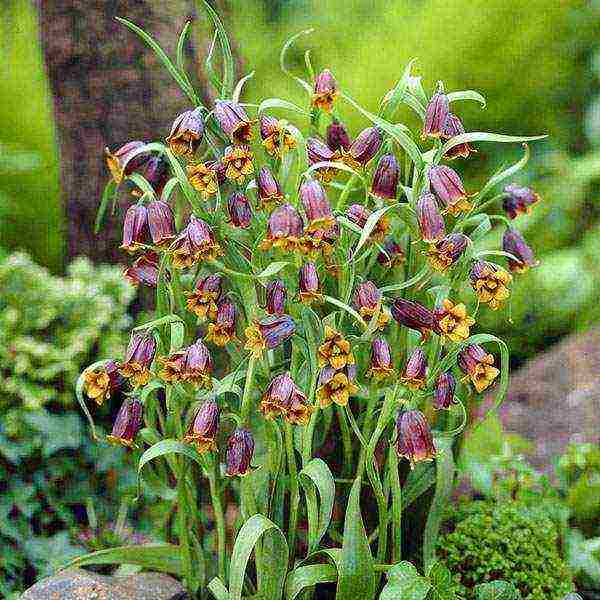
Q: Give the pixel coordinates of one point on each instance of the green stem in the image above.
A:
(215, 496)
(294, 490)
(182, 525)
(246, 406)
(396, 505)
(346, 441)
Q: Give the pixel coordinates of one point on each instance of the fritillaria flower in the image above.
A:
(316, 205)
(100, 383)
(447, 186)
(431, 222)
(337, 136)
(359, 215)
(204, 178)
(194, 244)
(156, 172)
(445, 252)
(519, 200)
(238, 162)
(276, 297)
(367, 300)
(203, 429)
(380, 366)
(284, 229)
(363, 148)
(391, 255)
(275, 398)
(135, 228)
(453, 321)
(415, 371)
(269, 190)
(443, 395)
(144, 270)
(186, 133)
(127, 423)
(202, 301)
(234, 121)
(222, 331)
(240, 449)
(478, 366)
(436, 115)
(275, 137)
(385, 178)
(192, 364)
(335, 350)
(298, 410)
(240, 210)
(317, 152)
(123, 161)
(336, 385)
(452, 128)
(490, 283)
(138, 358)
(514, 243)
(161, 222)
(308, 283)
(414, 316)
(268, 333)
(325, 91)
(413, 437)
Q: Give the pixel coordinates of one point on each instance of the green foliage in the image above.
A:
(50, 328)
(515, 541)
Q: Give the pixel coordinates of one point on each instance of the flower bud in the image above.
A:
(269, 190)
(325, 92)
(275, 137)
(276, 297)
(317, 151)
(445, 386)
(414, 316)
(156, 172)
(363, 148)
(448, 187)
(284, 229)
(452, 128)
(222, 331)
(144, 270)
(240, 449)
(234, 121)
(367, 301)
(391, 255)
(431, 222)
(100, 383)
(335, 350)
(268, 333)
(490, 283)
(337, 136)
(453, 321)
(240, 210)
(385, 178)
(478, 366)
(445, 252)
(413, 437)
(336, 385)
(135, 227)
(519, 200)
(127, 423)
(202, 431)
(436, 115)
(161, 222)
(204, 178)
(194, 244)
(308, 283)
(381, 360)
(120, 164)
(514, 243)
(276, 397)
(186, 133)
(415, 370)
(238, 162)
(138, 358)
(316, 205)
(203, 300)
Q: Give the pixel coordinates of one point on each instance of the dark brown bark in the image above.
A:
(108, 88)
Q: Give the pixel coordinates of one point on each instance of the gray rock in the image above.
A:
(77, 584)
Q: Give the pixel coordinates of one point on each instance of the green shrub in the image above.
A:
(511, 541)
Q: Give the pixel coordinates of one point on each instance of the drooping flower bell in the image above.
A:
(204, 427)
(359, 214)
(135, 228)
(222, 331)
(431, 222)
(325, 91)
(447, 186)
(240, 450)
(413, 437)
(519, 200)
(144, 270)
(367, 301)
(316, 205)
(276, 297)
(385, 178)
(238, 162)
(490, 283)
(445, 252)
(443, 395)
(204, 178)
(268, 188)
(335, 350)
(380, 366)
(103, 381)
(391, 255)
(269, 333)
(453, 321)
(240, 210)
(298, 410)
(317, 152)
(138, 358)
(123, 161)
(275, 398)
(337, 136)
(284, 229)
(202, 301)
(452, 128)
(308, 283)
(234, 121)
(156, 172)
(415, 372)
(363, 148)
(186, 133)
(414, 316)
(336, 385)
(192, 364)
(127, 423)
(436, 115)
(194, 244)
(161, 222)
(514, 243)
(275, 137)
(478, 366)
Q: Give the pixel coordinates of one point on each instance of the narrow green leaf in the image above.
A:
(345, 307)
(316, 473)
(272, 269)
(168, 189)
(237, 92)
(217, 588)
(172, 318)
(357, 578)
(467, 95)
(482, 136)
(370, 225)
(419, 480)
(504, 174)
(309, 576)
(405, 583)
(142, 183)
(164, 558)
(110, 191)
(284, 50)
(497, 590)
(177, 336)
(181, 47)
(271, 103)
(394, 287)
